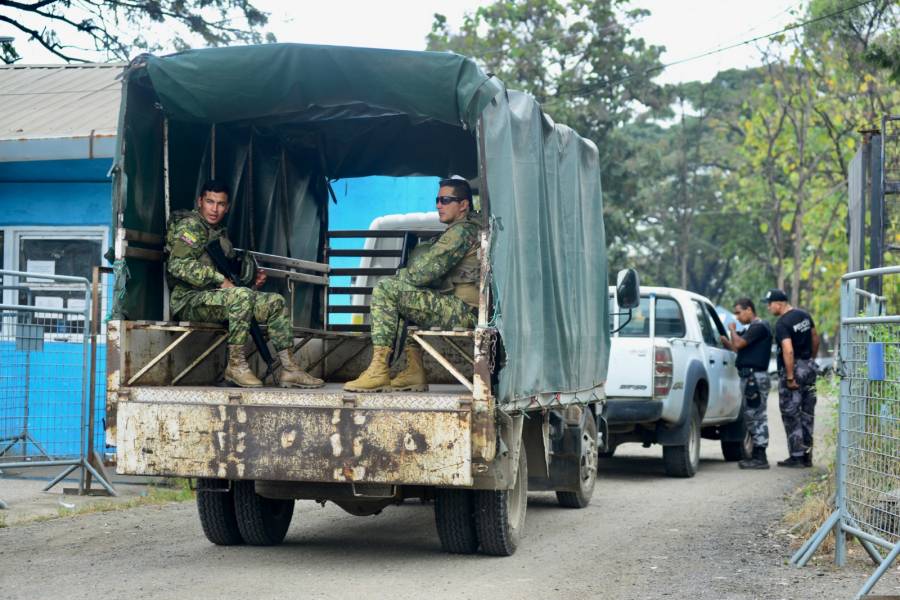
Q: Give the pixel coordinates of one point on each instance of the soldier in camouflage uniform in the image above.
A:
(754, 349)
(438, 288)
(798, 345)
(201, 293)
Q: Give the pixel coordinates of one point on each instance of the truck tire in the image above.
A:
(683, 460)
(735, 451)
(500, 514)
(587, 469)
(261, 521)
(454, 515)
(217, 517)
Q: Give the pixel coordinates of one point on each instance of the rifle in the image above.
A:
(409, 243)
(226, 267)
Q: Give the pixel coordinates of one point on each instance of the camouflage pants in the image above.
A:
(755, 391)
(236, 306)
(393, 298)
(798, 407)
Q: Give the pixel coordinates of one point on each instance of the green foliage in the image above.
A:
(578, 59)
(117, 28)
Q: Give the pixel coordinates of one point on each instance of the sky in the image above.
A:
(685, 27)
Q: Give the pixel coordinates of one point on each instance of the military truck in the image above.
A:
(519, 405)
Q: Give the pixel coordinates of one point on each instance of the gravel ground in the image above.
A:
(718, 535)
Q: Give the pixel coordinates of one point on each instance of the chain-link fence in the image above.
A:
(868, 462)
(46, 363)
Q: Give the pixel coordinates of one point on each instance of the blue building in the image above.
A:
(57, 140)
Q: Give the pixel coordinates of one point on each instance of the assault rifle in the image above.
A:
(231, 271)
(409, 243)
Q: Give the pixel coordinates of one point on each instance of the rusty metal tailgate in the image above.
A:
(295, 435)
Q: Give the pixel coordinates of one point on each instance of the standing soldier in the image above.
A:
(439, 288)
(201, 293)
(798, 345)
(754, 348)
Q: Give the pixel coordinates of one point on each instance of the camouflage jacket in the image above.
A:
(189, 267)
(450, 264)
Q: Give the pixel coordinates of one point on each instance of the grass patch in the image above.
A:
(2, 521)
(166, 492)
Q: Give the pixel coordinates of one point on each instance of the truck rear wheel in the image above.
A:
(500, 514)
(683, 460)
(261, 521)
(454, 515)
(587, 469)
(216, 510)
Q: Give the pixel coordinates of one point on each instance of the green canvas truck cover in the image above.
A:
(289, 116)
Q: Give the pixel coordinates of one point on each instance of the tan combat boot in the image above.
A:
(238, 371)
(377, 377)
(412, 378)
(292, 375)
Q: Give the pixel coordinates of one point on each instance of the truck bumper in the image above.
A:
(621, 410)
(282, 435)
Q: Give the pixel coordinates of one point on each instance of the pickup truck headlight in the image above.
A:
(662, 371)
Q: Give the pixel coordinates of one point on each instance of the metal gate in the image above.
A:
(868, 463)
(46, 358)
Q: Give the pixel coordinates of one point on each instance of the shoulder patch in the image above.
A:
(189, 238)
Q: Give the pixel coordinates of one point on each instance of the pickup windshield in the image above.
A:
(669, 320)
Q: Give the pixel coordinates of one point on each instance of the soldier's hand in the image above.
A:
(792, 384)
(226, 284)
(733, 327)
(261, 278)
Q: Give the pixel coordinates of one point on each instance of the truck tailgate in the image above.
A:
(630, 368)
(295, 435)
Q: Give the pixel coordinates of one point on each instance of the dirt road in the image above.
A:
(644, 536)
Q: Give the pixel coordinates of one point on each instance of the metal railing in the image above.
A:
(867, 501)
(48, 373)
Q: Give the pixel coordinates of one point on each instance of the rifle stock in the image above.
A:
(225, 266)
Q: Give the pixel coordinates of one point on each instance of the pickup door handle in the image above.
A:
(712, 361)
(725, 362)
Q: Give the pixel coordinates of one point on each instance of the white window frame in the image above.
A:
(13, 236)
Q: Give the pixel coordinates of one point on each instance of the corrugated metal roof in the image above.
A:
(59, 101)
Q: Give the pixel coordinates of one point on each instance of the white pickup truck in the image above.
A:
(671, 381)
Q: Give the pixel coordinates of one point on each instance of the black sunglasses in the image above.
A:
(445, 200)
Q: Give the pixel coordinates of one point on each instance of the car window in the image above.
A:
(706, 326)
(669, 320)
(717, 322)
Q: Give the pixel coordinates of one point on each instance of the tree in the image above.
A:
(73, 30)
(580, 61)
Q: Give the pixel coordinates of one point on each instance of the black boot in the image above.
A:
(794, 462)
(807, 458)
(756, 461)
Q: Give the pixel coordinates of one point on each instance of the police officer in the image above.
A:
(798, 344)
(438, 288)
(754, 348)
(201, 293)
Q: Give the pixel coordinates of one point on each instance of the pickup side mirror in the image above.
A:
(628, 289)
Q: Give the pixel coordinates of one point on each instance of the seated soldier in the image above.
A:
(438, 288)
(201, 293)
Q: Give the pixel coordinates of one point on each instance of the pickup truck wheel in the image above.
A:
(587, 469)
(454, 515)
(682, 461)
(735, 451)
(500, 514)
(217, 517)
(261, 521)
